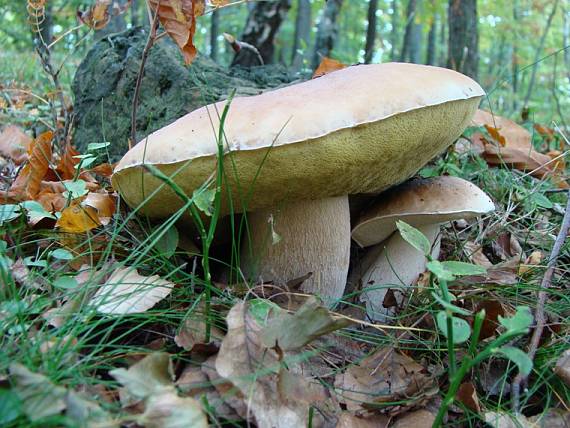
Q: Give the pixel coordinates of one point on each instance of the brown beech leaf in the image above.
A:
(97, 16)
(562, 368)
(104, 170)
(506, 132)
(219, 3)
(78, 219)
(328, 65)
(128, 292)
(291, 332)
(348, 420)
(14, 144)
(384, 376)
(468, 396)
(104, 203)
(28, 183)
(256, 371)
(417, 419)
(66, 165)
(178, 17)
(193, 382)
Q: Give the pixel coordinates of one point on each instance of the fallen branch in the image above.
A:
(539, 313)
(238, 45)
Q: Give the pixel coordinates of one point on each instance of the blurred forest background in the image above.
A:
(515, 49)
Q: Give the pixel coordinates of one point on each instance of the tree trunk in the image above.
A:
(566, 39)
(370, 31)
(262, 24)
(539, 50)
(394, 35)
(463, 54)
(214, 32)
(431, 42)
(411, 48)
(515, 57)
(327, 31)
(302, 33)
(442, 60)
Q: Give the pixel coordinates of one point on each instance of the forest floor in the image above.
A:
(107, 318)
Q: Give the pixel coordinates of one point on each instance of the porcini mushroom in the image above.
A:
(358, 130)
(393, 264)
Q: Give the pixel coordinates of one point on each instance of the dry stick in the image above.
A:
(539, 313)
(149, 43)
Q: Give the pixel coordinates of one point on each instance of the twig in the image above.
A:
(539, 313)
(238, 45)
(149, 43)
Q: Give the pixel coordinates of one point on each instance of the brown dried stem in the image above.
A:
(539, 315)
(149, 44)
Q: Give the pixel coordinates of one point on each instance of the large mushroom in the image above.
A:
(392, 264)
(295, 153)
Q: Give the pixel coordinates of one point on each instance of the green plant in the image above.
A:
(457, 330)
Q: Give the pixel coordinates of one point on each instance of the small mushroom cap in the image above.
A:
(419, 202)
(357, 130)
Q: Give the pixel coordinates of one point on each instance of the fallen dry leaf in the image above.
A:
(348, 420)
(192, 331)
(493, 309)
(562, 368)
(14, 144)
(328, 65)
(417, 419)
(384, 376)
(468, 396)
(291, 332)
(28, 183)
(128, 292)
(531, 262)
(255, 370)
(78, 218)
(104, 204)
(510, 133)
(178, 17)
(193, 382)
(228, 392)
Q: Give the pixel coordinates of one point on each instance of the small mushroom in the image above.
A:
(394, 264)
(295, 154)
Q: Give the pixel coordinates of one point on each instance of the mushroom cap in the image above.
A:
(420, 202)
(357, 130)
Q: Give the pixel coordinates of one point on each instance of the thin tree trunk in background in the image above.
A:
(262, 24)
(566, 39)
(538, 53)
(135, 18)
(214, 32)
(370, 31)
(411, 47)
(442, 60)
(327, 31)
(394, 35)
(463, 48)
(302, 33)
(515, 57)
(431, 42)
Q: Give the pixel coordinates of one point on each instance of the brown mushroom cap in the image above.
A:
(357, 130)
(420, 202)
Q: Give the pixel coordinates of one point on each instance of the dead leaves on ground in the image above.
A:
(510, 144)
(54, 181)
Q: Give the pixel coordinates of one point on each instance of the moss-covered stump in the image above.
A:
(104, 85)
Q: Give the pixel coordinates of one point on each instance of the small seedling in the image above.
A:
(457, 330)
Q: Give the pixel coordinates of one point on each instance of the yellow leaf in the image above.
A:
(78, 219)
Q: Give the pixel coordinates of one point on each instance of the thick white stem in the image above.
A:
(302, 237)
(393, 265)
